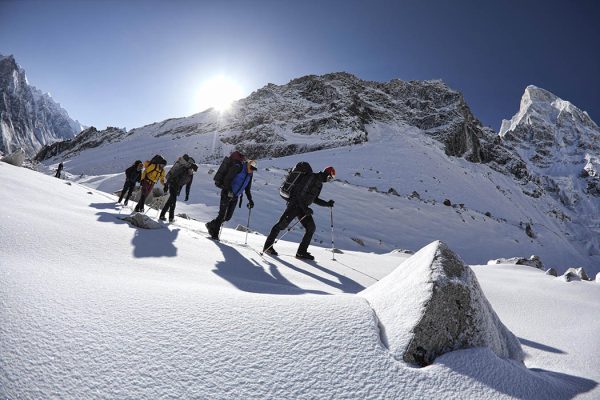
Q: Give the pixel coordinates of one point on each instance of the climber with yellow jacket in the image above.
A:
(154, 170)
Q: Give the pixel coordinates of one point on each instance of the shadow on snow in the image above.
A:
(146, 242)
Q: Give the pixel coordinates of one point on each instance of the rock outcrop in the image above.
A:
(432, 304)
(87, 139)
(532, 261)
(579, 272)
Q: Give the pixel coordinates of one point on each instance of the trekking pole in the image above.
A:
(332, 241)
(248, 226)
(288, 231)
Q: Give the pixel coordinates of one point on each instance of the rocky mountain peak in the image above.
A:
(29, 119)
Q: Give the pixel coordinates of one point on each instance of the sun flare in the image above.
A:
(219, 92)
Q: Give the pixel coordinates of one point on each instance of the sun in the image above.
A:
(218, 93)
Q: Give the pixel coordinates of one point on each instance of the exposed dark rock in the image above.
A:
(580, 272)
(87, 139)
(529, 230)
(532, 261)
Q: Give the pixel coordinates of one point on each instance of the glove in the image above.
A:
(230, 194)
(250, 204)
(166, 188)
(308, 212)
(330, 203)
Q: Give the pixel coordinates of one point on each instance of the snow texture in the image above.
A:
(92, 308)
(432, 304)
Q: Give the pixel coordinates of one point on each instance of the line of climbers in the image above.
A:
(300, 189)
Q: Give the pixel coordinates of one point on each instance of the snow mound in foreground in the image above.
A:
(432, 304)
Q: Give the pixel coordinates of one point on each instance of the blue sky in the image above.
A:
(129, 63)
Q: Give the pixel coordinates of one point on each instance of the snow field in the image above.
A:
(93, 308)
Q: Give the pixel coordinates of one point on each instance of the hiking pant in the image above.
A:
(171, 202)
(58, 171)
(291, 212)
(226, 209)
(147, 186)
(127, 187)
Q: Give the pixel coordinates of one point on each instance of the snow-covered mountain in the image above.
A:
(29, 119)
(318, 112)
(401, 149)
(561, 144)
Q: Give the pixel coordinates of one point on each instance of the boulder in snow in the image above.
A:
(552, 272)
(532, 261)
(402, 251)
(432, 304)
(579, 272)
(16, 158)
(243, 228)
(142, 221)
(570, 276)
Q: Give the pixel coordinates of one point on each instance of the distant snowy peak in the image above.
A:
(561, 145)
(541, 109)
(29, 118)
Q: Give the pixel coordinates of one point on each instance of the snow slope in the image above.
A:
(93, 308)
(405, 160)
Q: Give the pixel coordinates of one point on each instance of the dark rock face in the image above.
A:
(29, 119)
(87, 139)
(432, 304)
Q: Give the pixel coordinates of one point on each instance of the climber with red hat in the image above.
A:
(301, 189)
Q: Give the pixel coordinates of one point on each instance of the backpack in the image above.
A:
(226, 164)
(301, 170)
(158, 159)
(241, 180)
(180, 168)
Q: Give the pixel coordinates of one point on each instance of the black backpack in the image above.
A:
(158, 159)
(301, 170)
(226, 164)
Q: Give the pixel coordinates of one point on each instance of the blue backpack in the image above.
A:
(241, 180)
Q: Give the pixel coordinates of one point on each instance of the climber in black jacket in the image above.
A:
(133, 175)
(304, 193)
